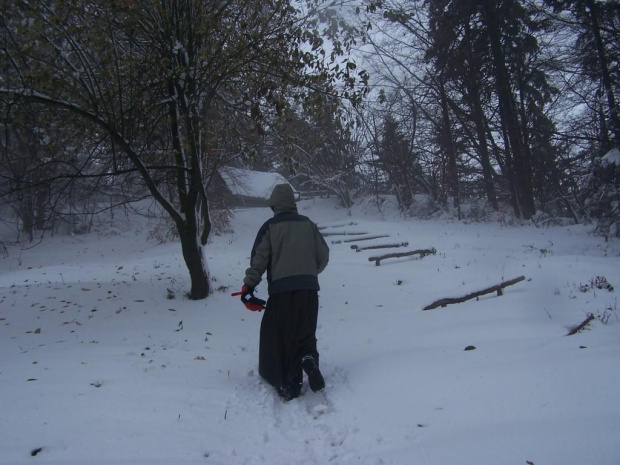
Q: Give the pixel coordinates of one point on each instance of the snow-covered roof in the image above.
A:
(254, 184)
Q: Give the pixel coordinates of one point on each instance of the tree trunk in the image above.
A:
(510, 121)
(185, 130)
(485, 158)
(194, 258)
(614, 115)
(447, 141)
(472, 85)
(26, 214)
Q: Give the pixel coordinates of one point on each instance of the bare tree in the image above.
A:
(324, 148)
(151, 76)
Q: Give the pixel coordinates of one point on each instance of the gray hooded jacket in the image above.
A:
(288, 246)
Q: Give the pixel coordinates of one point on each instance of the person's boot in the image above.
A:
(315, 378)
(289, 391)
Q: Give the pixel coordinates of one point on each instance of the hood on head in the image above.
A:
(282, 199)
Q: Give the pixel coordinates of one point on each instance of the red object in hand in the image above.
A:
(252, 303)
(254, 307)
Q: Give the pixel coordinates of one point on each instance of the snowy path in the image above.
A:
(97, 366)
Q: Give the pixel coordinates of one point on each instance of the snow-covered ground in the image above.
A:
(99, 366)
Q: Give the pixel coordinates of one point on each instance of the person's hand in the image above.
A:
(251, 302)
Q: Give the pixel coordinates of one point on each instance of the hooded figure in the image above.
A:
(291, 250)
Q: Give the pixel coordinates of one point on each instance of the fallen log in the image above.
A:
(581, 325)
(499, 288)
(352, 223)
(365, 238)
(357, 248)
(343, 233)
(422, 252)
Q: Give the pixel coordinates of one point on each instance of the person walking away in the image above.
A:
(291, 250)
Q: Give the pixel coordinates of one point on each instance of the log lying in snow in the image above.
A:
(357, 248)
(422, 252)
(365, 238)
(581, 325)
(352, 223)
(457, 300)
(343, 233)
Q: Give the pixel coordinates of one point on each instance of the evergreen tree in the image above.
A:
(396, 159)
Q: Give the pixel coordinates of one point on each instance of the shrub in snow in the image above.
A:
(387, 205)
(164, 231)
(220, 221)
(541, 219)
(608, 312)
(600, 282)
(423, 206)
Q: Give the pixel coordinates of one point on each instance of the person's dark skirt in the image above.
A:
(287, 334)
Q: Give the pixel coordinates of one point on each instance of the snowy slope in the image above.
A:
(98, 366)
(253, 184)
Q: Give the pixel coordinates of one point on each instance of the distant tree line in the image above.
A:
(104, 102)
(510, 101)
